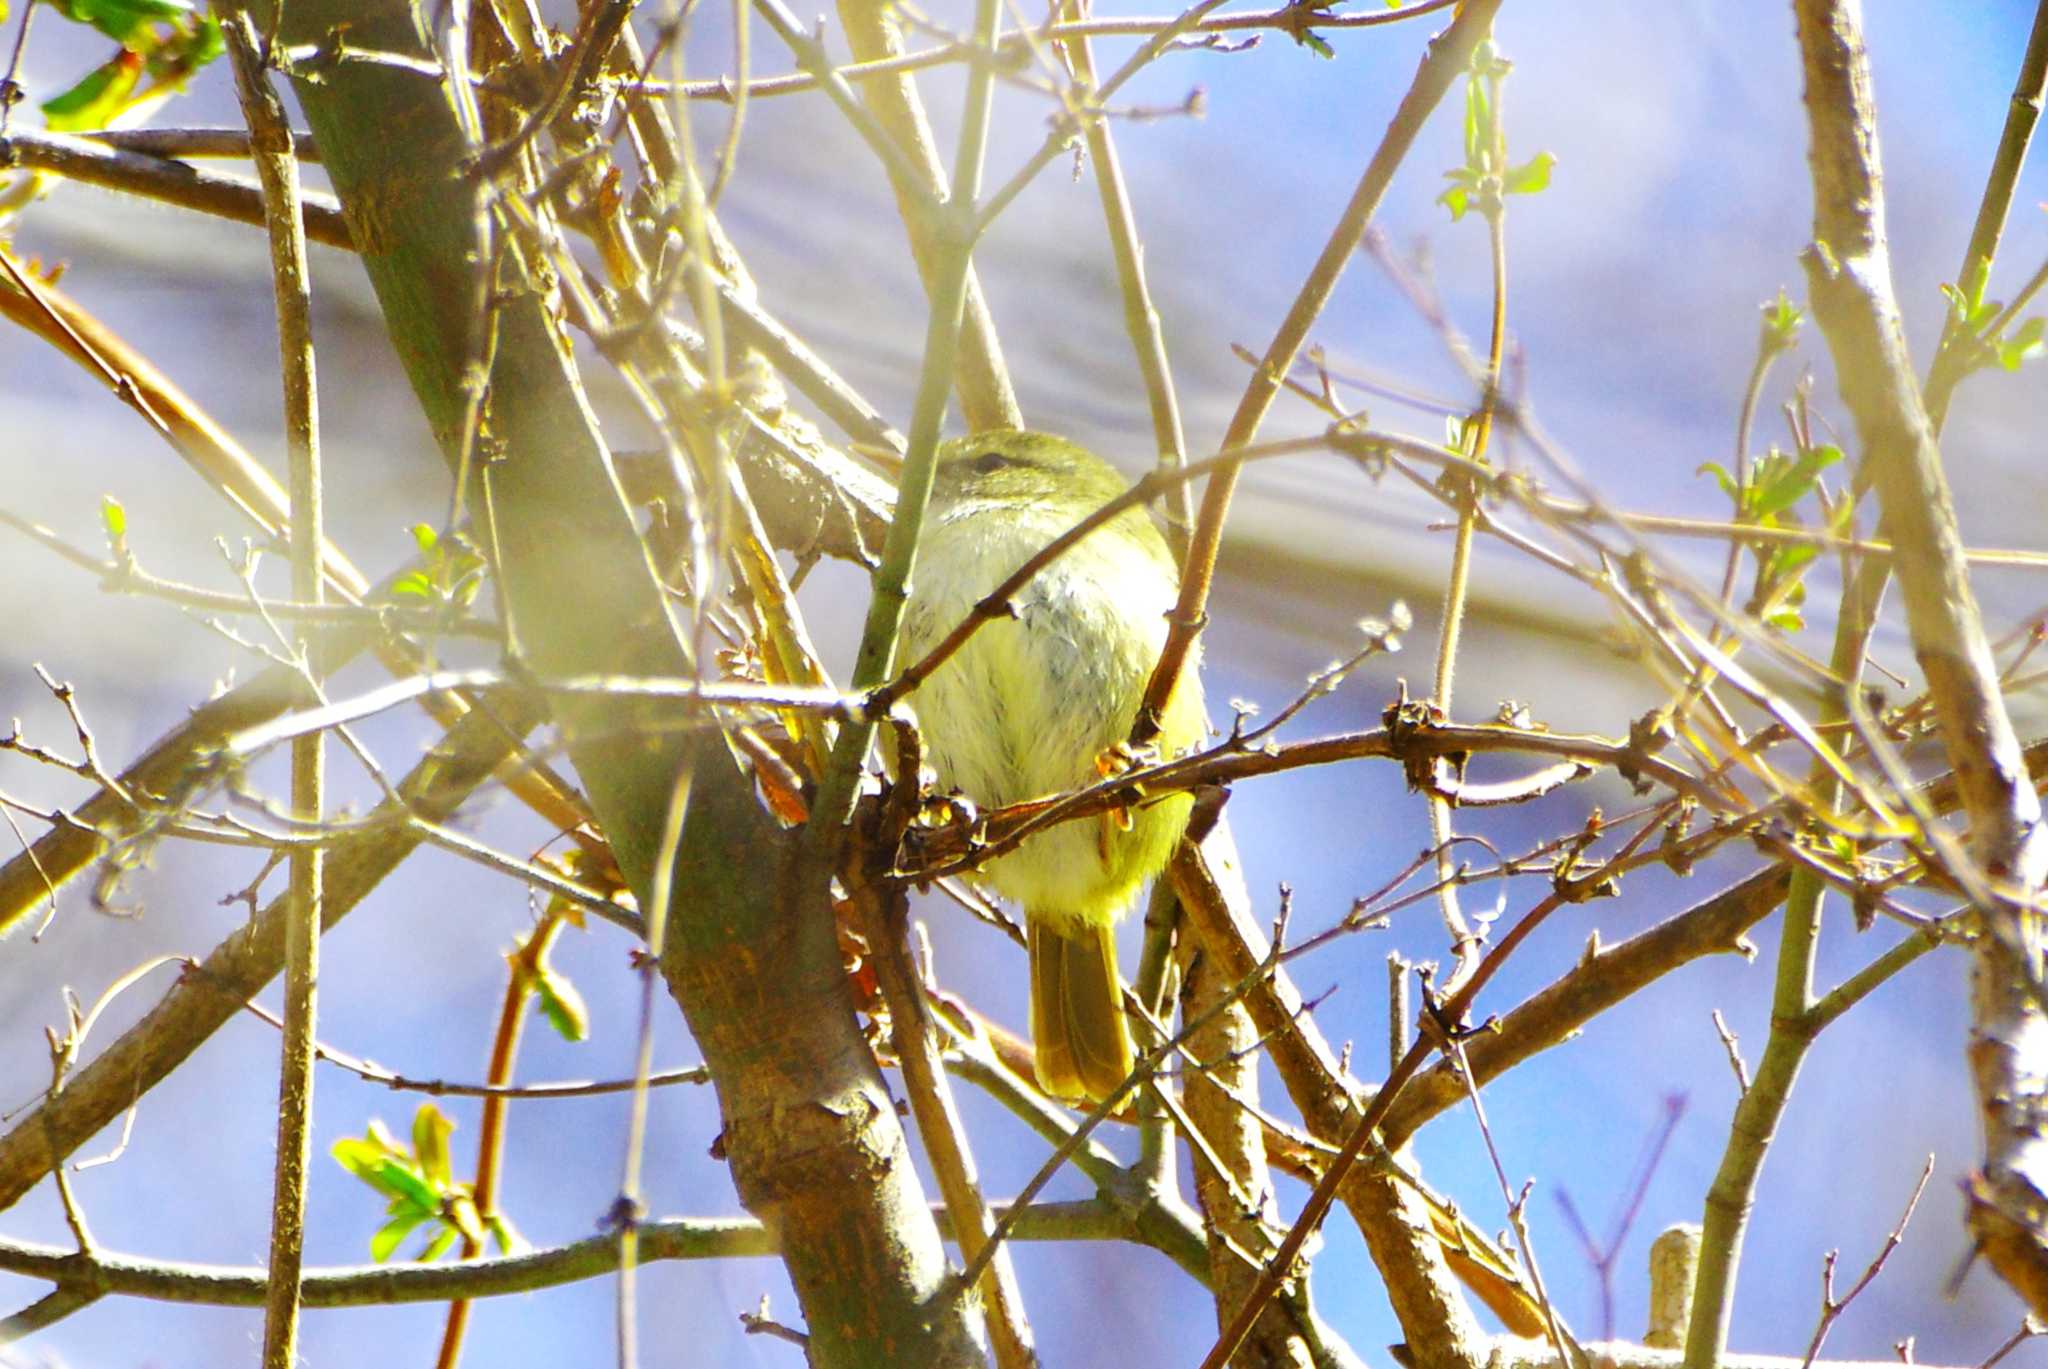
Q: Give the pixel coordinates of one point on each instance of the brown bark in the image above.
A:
(1848, 270)
(1239, 1211)
(1441, 1330)
(816, 1148)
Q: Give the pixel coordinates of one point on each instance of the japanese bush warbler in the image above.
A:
(1031, 705)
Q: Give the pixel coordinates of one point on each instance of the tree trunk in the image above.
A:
(816, 1148)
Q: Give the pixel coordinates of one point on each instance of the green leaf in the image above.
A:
(413, 584)
(378, 1162)
(562, 1004)
(1530, 177)
(424, 537)
(436, 1248)
(1968, 306)
(1782, 321)
(430, 1131)
(1315, 43)
(357, 1156)
(510, 1242)
(174, 57)
(1786, 620)
(1786, 560)
(2024, 343)
(363, 1157)
(389, 1235)
(1721, 478)
(405, 1184)
(1464, 188)
(208, 43)
(98, 98)
(113, 517)
(120, 19)
(1790, 485)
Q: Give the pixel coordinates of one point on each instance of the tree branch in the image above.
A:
(1848, 271)
(207, 997)
(93, 162)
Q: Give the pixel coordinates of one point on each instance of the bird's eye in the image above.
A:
(990, 460)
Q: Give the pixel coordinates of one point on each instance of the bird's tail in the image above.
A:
(1077, 1019)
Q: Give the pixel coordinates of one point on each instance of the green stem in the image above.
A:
(1141, 319)
(1463, 947)
(815, 61)
(877, 652)
(1857, 986)
(1794, 1025)
(1766, 352)
(2022, 115)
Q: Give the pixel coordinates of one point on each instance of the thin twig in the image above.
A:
(1365, 1128)
(201, 1002)
(912, 1032)
(523, 968)
(126, 576)
(1142, 1072)
(1831, 1309)
(1734, 1049)
(398, 1282)
(921, 183)
(1141, 318)
(10, 84)
(371, 1072)
(1478, 432)
(2030, 1327)
(179, 144)
(92, 162)
(759, 1323)
(811, 56)
(1287, 18)
(271, 149)
(1952, 359)
(1448, 54)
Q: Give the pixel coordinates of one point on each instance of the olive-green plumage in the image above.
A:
(1029, 704)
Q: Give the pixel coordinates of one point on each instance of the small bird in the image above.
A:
(1037, 703)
